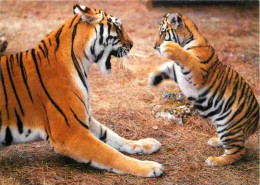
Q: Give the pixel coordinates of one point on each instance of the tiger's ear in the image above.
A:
(175, 20)
(87, 14)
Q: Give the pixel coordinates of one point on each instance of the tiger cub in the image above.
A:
(45, 95)
(218, 92)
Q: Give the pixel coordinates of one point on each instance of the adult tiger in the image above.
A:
(218, 92)
(45, 95)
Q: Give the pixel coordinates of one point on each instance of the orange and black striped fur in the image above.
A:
(218, 92)
(45, 95)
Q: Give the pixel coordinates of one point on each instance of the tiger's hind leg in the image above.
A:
(227, 158)
(215, 142)
(142, 146)
(233, 150)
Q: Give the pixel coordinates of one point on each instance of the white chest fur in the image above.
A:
(187, 88)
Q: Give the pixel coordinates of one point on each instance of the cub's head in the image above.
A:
(174, 27)
(104, 36)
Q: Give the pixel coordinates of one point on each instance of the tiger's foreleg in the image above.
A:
(166, 71)
(142, 146)
(72, 137)
(185, 59)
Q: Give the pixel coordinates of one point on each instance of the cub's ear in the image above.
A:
(175, 20)
(87, 14)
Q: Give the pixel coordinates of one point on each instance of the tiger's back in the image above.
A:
(30, 81)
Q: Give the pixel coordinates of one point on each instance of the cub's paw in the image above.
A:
(167, 49)
(151, 169)
(148, 145)
(155, 78)
(219, 161)
(215, 142)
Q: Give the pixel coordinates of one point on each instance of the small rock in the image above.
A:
(173, 106)
(155, 127)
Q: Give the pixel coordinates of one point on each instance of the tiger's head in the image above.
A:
(105, 36)
(175, 27)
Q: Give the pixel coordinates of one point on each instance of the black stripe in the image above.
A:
(17, 57)
(12, 61)
(92, 48)
(186, 72)
(99, 56)
(19, 122)
(194, 47)
(89, 116)
(187, 40)
(57, 36)
(229, 134)
(45, 90)
(242, 92)
(4, 89)
(24, 75)
(48, 122)
(27, 51)
(103, 136)
(42, 51)
(81, 100)
(81, 122)
(174, 74)
(39, 57)
(101, 31)
(8, 137)
(210, 102)
(207, 61)
(214, 112)
(74, 59)
(73, 20)
(13, 87)
(224, 116)
(46, 50)
(222, 70)
(50, 41)
(85, 73)
(28, 133)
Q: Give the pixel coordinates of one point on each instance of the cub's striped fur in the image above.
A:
(218, 92)
(45, 95)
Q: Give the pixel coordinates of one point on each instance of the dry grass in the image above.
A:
(123, 101)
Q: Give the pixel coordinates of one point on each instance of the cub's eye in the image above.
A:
(162, 30)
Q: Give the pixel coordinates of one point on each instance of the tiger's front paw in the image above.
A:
(142, 146)
(169, 49)
(155, 79)
(150, 169)
(148, 145)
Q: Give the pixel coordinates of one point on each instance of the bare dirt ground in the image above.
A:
(123, 100)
